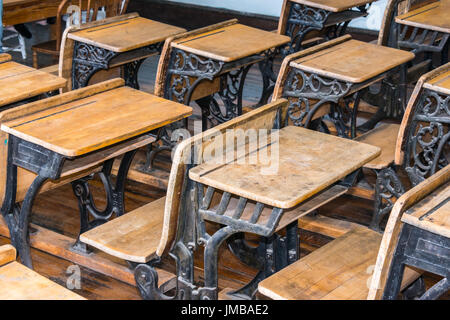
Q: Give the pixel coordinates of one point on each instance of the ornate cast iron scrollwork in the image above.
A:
(88, 59)
(302, 19)
(114, 197)
(186, 71)
(308, 92)
(147, 283)
(428, 146)
(388, 188)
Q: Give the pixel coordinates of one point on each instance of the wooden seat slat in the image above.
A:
(384, 137)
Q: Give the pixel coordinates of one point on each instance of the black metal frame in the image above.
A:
(308, 92)
(426, 150)
(89, 59)
(48, 165)
(424, 250)
(303, 19)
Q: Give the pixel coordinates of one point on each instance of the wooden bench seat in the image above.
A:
(339, 270)
(134, 236)
(384, 137)
(18, 282)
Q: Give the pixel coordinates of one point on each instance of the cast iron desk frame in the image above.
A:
(303, 18)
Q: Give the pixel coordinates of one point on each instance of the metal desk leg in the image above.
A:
(114, 197)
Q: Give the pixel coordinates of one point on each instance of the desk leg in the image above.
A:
(131, 71)
(210, 290)
(114, 197)
(308, 93)
(22, 235)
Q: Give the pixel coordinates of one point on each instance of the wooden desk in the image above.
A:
(330, 18)
(426, 29)
(440, 84)
(230, 43)
(60, 140)
(22, 11)
(302, 167)
(331, 71)
(19, 82)
(432, 214)
(216, 60)
(124, 40)
(353, 61)
(424, 238)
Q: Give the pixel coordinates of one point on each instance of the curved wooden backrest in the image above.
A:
(66, 53)
(261, 118)
(24, 177)
(421, 123)
(161, 74)
(393, 9)
(394, 226)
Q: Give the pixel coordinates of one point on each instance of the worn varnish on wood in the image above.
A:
(18, 282)
(19, 82)
(303, 168)
(98, 121)
(231, 42)
(434, 16)
(337, 271)
(432, 213)
(353, 61)
(125, 33)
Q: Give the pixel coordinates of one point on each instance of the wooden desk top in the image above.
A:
(309, 162)
(22, 11)
(353, 61)
(334, 5)
(441, 83)
(126, 35)
(432, 213)
(19, 82)
(231, 43)
(98, 121)
(434, 16)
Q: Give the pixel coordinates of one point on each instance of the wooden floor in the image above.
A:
(58, 210)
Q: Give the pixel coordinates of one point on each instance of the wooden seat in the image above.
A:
(384, 137)
(52, 47)
(133, 237)
(340, 270)
(355, 265)
(18, 282)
